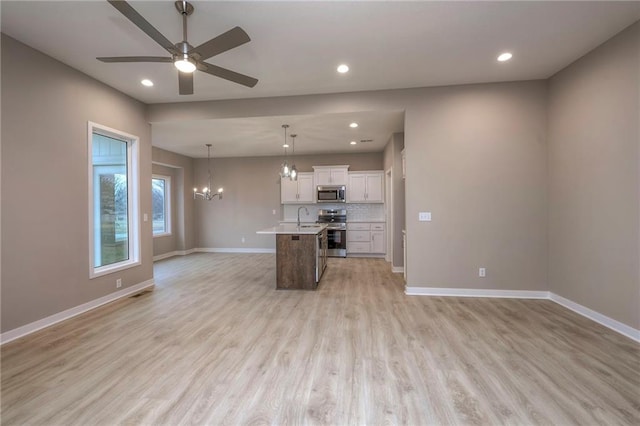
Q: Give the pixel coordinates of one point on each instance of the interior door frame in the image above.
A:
(388, 205)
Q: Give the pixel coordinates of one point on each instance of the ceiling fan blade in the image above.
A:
(245, 80)
(185, 83)
(135, 59)
(131, 14)
(226, 41)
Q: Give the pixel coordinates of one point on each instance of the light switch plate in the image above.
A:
(424, 216)
(145, 217)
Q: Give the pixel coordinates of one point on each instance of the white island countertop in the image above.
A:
(292, 228)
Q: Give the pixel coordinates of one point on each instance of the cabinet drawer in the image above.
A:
(358, 247)
(359, 226)
(377, 226)
(358, 236)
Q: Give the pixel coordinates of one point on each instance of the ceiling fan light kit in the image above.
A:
(186, 58)
(185, 65)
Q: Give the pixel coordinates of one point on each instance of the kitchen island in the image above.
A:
(301, 254)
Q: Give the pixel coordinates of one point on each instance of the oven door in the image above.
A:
(337, 244)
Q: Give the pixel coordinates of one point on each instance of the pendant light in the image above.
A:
(294, 170)
(285, 172)
(206, 193)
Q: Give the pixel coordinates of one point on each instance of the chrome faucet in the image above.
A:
(306, 211)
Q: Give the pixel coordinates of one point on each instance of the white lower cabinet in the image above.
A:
(365, 238)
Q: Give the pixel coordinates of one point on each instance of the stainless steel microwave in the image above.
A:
(331, 194)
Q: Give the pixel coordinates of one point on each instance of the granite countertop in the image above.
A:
(367, 221)
(292, 228)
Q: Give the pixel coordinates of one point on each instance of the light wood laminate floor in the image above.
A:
(215, 343)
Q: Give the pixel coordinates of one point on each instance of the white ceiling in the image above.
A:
(262, 136)
(297, 45)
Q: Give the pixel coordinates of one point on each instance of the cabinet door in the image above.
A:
(338, 176)
(377, 242)
(356, 188)
(358, 236)
(323, 177)
(288, 191)
(358, 247)
(305, 188)
(375, 188)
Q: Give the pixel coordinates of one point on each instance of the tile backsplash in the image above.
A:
(355, 212)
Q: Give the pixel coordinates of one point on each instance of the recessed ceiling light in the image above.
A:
(353, 125)
(286, 145)
(343, 68)
(147, 82)
(505, 57)
(353, 142)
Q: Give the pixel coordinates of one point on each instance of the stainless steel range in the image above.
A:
(336, 221)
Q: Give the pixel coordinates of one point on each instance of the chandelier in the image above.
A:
(206, 193)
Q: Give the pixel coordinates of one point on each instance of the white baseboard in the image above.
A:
(234, 250)
(397, 269)
(604, 320)
(614, 325)
(469, 292)
(16, 333)
(366, 255)
(173, 253)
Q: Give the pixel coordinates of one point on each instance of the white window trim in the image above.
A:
(133, 200)
(167, 206)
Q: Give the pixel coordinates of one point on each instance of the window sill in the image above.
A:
(110, 269)
(165, 234)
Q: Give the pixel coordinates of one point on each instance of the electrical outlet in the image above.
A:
(243, 239)
(274, 211)
(482, 272)
(119, 283)
(424, 216)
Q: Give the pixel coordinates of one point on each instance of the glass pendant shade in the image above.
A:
(285, 171)
(293, 174)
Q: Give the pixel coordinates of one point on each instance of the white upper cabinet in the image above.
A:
(297, 191)
(330, 175)
(366, 187)
(306, 189)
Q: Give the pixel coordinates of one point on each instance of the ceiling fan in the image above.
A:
(184, 56)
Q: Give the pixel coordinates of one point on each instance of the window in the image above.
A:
(161, 200)
(114, 204)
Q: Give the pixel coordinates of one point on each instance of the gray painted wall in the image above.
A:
(184, 225)
(168, 243)
(45, 238)
(393, 161)
(252, 193)
(594, 189)
(476, 159)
